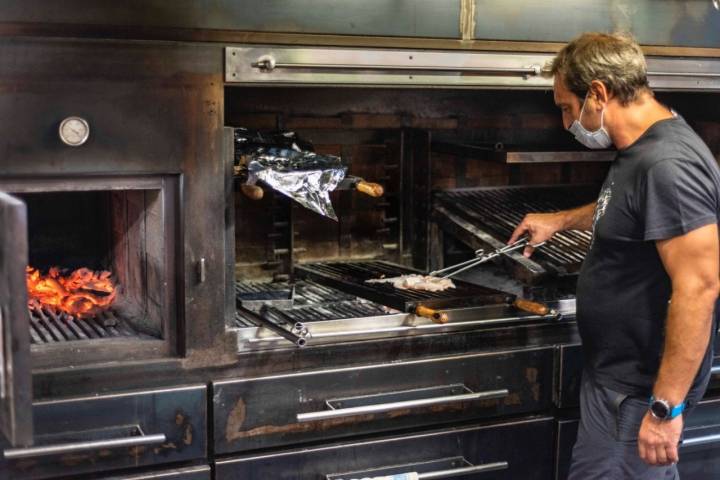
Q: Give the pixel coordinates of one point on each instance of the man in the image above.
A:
(647, 289)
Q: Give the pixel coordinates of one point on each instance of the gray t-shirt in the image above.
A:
(664, 185)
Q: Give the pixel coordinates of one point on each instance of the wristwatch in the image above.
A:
(663, 410)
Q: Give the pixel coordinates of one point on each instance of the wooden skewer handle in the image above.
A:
(434, 315)
(252, 191)
(373, 189)
(532, 307)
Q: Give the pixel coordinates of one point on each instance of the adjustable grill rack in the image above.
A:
(351, 277)
(486, 217)
(48, 326)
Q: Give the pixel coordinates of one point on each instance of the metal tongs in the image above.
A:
(482, 257)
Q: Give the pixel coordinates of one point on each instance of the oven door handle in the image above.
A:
(700, 440)
(467, 469)
(63, 448)
(390, 406)
(456, 472)
(685, 74)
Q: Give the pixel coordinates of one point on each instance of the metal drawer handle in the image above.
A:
(268, 64)
(684, 74)
(456, 472)
(715, 370)
(390, 406)
(702, 440)
(62, 448)
(467, 469)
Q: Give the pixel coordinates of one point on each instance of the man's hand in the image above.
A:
(658, 440)
(539, 227)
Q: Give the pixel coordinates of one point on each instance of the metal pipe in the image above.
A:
(299, 326)
(456, 472)
(703, 440)
(390, 406)
(270, 325)
(63, 448)
(401, 329)
(684, 74)
(269, 64)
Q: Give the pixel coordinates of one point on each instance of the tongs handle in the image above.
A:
(482, 257)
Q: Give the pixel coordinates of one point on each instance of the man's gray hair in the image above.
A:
(614, 59)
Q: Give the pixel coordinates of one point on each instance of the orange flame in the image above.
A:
(82, 293)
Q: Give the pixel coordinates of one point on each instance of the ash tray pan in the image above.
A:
(281, 299)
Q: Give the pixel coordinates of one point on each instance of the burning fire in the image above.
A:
(82, 293)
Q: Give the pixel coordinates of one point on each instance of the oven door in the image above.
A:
(15, 381)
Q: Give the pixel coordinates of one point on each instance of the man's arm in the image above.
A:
(691, 261)
(542, 226)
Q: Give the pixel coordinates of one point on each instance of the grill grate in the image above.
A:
(306, 293)
(497, 211)
(48, 326)
(312, 302)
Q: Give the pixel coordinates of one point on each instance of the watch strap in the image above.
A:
(676, 410)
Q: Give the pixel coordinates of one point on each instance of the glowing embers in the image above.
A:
(82, 293)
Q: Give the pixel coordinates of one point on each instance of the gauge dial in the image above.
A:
(74, 131)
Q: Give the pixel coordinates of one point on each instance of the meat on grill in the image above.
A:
(417, 282)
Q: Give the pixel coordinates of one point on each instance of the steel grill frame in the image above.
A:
(312, 302)
(350, 277)
(496, 211)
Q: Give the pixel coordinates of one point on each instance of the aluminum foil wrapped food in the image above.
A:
(280, 163)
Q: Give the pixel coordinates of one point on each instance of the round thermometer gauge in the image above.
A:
(74, 131)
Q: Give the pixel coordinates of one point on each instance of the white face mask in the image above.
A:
(597, 139)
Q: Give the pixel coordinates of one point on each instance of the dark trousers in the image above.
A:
(606, 446)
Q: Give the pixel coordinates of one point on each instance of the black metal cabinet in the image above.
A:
(569, 367)
(257, 413)
(513, 450)
(153, 109)
(103, 433)
(567, 430)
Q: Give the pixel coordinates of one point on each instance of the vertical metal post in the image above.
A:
(291, 241)
(421, 197)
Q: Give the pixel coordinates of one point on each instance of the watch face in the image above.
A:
(660, 409)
